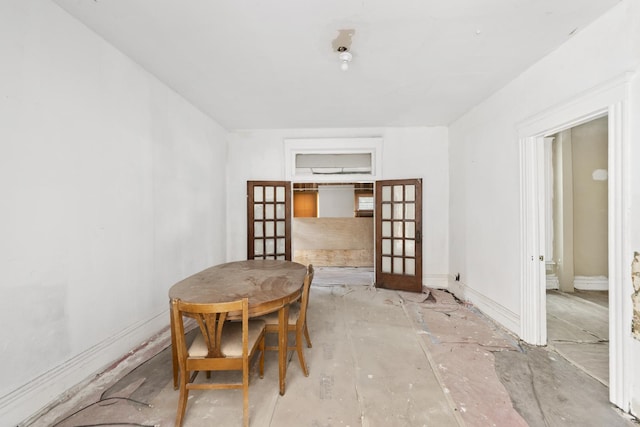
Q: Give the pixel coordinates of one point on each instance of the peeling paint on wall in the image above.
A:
(635, 275)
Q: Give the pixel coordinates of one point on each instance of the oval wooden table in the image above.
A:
(269, 285)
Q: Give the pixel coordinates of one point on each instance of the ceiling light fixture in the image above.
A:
(345, 57)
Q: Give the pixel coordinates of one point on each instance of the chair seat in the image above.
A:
(272, 318)
(231, 339)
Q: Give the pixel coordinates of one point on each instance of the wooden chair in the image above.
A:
(297, 321)
(221, 345)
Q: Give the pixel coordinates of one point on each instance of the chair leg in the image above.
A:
(303, 364)
(306, 335)
(174, 353)
(262, 350)
(182, 401)
(245, 393)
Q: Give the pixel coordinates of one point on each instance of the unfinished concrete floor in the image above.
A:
(379, 358)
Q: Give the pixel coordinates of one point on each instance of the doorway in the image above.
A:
(576, 260)
(333, 230)
(608, 99)
(397, 221)
(333, 224)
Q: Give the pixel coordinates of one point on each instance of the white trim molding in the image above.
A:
(491, 308)
(533, 309)
(620, 255)
(591, 283)
(552, 281)
(48, 388)
(362, 145)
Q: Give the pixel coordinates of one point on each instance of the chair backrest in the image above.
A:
(304, 301)
(310, 271)
(211, 321)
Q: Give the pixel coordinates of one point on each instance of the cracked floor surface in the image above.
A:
(379, 358)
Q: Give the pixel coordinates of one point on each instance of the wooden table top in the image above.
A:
(267, 283)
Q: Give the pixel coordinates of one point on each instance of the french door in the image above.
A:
(269, 220)
(398, 221)
(398, 225)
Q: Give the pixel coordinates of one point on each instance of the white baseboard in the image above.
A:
(497, 312)
(17, 407)
(591, 283)
(553, 282)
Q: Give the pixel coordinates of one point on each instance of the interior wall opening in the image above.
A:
(332, 224)
(577, 253)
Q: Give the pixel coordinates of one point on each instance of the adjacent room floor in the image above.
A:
(578, 329)
(379, 358)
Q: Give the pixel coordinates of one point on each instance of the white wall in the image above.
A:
(336, 201)
(415, 152)
(112, 190)
(634, 208)
(484, 167)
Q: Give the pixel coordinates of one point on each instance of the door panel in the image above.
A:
(398, 218)
(269, 220)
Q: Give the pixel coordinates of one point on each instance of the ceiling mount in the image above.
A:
(345, 57)
(344, 38)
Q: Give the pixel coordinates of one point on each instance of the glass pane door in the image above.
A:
(399, 234)
(269, 220)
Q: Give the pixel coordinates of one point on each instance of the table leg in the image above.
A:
(174, 353)
(283, 336)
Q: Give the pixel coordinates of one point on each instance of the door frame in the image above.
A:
(611, 99)
(333, 145)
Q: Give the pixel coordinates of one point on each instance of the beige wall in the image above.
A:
(590, 235)
(580, 235)
(337, 242)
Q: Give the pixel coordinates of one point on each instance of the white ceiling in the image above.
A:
(252, 64)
